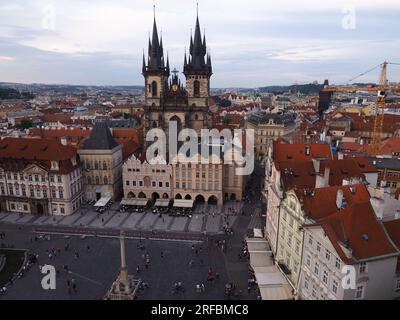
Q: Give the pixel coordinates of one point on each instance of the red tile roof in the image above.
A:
(393, 229)
(341, 169)
(322, 202)
(357, 228)
(41, 151)
(297, 152)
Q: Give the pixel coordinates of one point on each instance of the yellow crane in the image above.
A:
(381, 90)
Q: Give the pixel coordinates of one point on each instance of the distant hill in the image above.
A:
(302, 88)
(37, 87)
(9, 93)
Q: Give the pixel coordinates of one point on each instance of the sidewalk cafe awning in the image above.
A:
(102, 202)
(183, 203)
(162, 202)
(270, 280)
(134, 202)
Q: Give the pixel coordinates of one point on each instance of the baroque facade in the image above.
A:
(39, 176)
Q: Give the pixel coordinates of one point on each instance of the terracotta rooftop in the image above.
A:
(357, 229)
(322, 201)
(393, 229)
(297, 152)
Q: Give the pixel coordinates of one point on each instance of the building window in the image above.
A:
(127, 182)
(53, 193)
(316, 268)
(51, 178)
(334, 286)
(337, 264)
(32, 192)
(105, 180)
(160, 184)
(25, 207)
(59, 179)
(30, 177)
(61, 194)
(167, 184)
(327, 255)
(153, 183)
(308, 260)
(134, 183)
(44, 193)
(62, 210)
(314, 292)
(318, 247)
(306, 283)
(360, 292)
(398, 285)
(325, 277)
(154, 89)
(140, 183)
(310, 240)
(289, 240)
(12, 206)
(363, 267)
(297, 246)
(196, 88)
(36, 178)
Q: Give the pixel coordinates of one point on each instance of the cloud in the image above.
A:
(5, 58)
(253, 42)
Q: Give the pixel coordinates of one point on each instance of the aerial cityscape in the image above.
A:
(161, 184)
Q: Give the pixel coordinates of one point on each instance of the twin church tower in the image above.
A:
(166, 97)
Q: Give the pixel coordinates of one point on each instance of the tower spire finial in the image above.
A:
(197, 9)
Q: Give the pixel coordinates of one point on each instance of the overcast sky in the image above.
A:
(252, 42)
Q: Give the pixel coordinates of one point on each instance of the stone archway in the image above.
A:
(212, 200)
(142, 195)
(200, 199)
(178, 196)
(131, 195)
(188, 197)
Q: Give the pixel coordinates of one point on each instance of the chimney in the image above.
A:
(316, 164)
(339, 199)
(64, 141)
(340, 155)
(326, 176)
(308, 148)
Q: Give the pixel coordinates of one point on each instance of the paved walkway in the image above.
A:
(209, 219)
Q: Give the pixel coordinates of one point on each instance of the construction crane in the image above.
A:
(381, 91)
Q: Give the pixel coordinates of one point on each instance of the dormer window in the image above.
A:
(54, 165)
